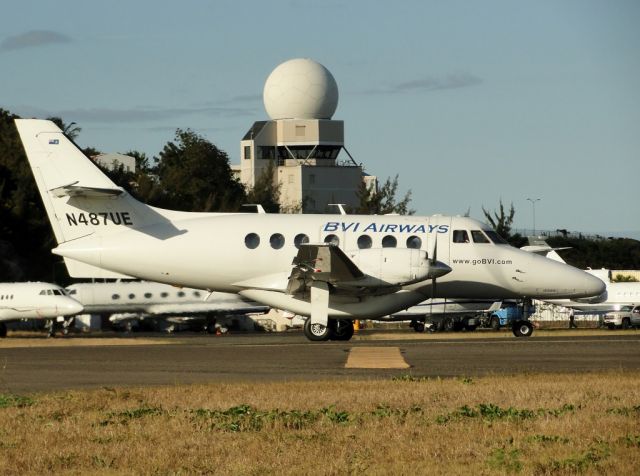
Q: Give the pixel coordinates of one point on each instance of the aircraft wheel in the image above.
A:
(315, 332)
(3, 329)
(611, 327)
(418, 326)
(495, 324)
(522, 329)
(470, 328)
(65, 331)
(626, 323)
(340, 329)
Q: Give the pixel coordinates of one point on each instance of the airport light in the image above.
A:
(533, 206)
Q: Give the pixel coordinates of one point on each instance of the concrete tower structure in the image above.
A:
(301, 140)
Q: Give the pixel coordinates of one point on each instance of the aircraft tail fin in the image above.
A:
(79, 198)
(541, 247)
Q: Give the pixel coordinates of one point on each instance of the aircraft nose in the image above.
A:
(74, 307)
(592, 286)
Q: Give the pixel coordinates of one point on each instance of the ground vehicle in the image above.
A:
(626, 317)
(511, 313)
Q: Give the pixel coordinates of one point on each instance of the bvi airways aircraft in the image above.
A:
(34, 301)
(333, 268)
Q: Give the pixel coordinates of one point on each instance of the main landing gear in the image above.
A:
(338, 329)
(3, 329)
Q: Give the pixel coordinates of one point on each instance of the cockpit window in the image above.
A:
(71, 292)
(460, 236)
(478, 237)
(497, 239)
(57, 292)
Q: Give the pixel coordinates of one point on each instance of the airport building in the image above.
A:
(302, 147)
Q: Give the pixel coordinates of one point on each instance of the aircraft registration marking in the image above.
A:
(100, 218)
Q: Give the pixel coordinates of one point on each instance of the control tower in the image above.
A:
(301, 140)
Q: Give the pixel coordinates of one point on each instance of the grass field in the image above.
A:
(526, 424)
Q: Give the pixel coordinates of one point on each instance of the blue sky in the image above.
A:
(469, 102)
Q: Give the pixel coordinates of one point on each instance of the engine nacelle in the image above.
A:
(394, 266)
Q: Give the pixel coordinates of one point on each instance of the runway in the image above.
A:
(31, 365)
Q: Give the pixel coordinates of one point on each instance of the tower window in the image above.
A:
(300, 131)
(247, 152)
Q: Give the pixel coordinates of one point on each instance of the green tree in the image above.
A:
(71, 130)
(501, 221)
(25, 234)
(383, 200)
(196, 176)
(266, 191)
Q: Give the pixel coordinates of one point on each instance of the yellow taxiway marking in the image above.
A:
(375, 358)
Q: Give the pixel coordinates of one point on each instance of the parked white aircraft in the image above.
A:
(344, 267)
(20, 301)
(614, 296)
(126, 301)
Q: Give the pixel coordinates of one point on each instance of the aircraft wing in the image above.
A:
(205, 307)
(322, 263)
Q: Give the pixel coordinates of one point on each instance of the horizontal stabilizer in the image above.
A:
(78, 269)
(74, 190)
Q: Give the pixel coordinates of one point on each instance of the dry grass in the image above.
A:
(527, 424)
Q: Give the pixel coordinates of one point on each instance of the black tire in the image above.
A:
(457, 326)
(626, 324)
(418, 326)
(522, 328)
(340, 329)
(611, 327)
(316, 332)
(495, 324)
(449, 325)
(470, 328)
(3, 329)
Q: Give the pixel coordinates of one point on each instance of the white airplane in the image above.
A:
(36, 300)
(333, 268)
(445, 314)
(613, 297)
(125, 301)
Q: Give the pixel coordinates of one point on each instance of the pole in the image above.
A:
(533, 206)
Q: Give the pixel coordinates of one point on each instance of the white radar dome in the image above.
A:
(300, 89)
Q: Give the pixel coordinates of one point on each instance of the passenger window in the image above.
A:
(300, 239)
(115, 296)
(414, 242)
(164, 295)
(460, 236)
(132, 296)
(148, 295)
(364, 242)
(277, 241)
(252, 240)
(389, 241)
(478, 237)
(332, 239)
(181, 294)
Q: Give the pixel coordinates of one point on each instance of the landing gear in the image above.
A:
(316, 332)
(338, 329)
(418, 326)
(50, 327)
(495, 324)
(522, 328)
(3, 329)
